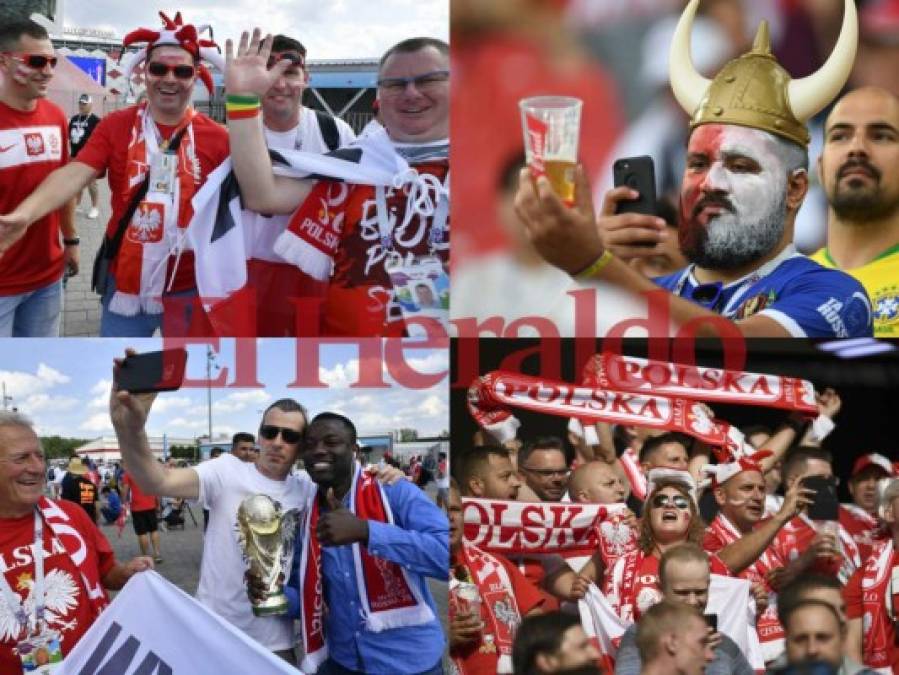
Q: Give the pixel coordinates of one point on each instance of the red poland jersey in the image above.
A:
(32, 145)
(866, 595)
(720, 533)
(864, 528)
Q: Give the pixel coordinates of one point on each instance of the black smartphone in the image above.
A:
(152, 371)
(637, 173)
(712, 621)
(825, 506)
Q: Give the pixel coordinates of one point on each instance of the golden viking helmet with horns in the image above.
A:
(754, 90)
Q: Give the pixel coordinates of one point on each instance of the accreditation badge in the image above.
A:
(422, 289)
(40, 654)
(163, 172)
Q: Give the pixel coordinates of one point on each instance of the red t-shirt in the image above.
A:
(107, 151)
(359, 300)
(68, 609)
(32, 145)
(869, 604)
(140, 501)
(527, 597)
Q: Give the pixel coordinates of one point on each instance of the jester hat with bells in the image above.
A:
(753, 90)
(176, 34)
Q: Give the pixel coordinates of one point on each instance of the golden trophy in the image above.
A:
(266, 538)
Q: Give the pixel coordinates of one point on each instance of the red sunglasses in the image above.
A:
(182, 71)
(36, 61)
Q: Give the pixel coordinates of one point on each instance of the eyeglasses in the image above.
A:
(270, 432)
(295, 59)
(182, 71)
(547, 473)
(677, 501)
(36, 61)
(423, 83)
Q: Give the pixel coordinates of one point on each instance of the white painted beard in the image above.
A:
(729, 242)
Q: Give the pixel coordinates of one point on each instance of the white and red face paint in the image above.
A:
(733, 196)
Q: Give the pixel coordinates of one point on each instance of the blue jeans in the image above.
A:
(139, 325)
(331, 667)
(32, 314)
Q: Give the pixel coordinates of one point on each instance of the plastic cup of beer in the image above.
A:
(551, 126)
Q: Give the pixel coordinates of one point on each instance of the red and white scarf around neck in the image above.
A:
(497, 602)
(158, 226)
(388, 597)
(72, 541)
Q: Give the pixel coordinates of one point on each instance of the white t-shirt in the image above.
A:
(224, 483)
(260, 232)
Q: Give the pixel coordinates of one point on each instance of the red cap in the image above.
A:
(872, 459)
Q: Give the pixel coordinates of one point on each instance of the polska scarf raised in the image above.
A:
(158, 226)
(631, 374)
(388, 598)
(490, 396)
(59, 523)
(534, 528)
(497, 601)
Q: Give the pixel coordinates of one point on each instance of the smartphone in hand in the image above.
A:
(152, 371)
(637, 173)
(825, 506)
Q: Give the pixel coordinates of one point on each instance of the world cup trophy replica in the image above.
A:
(266, 538)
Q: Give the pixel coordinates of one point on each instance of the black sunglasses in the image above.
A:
(678, 501)
(182, 71)
(36, 61)
(270, 432)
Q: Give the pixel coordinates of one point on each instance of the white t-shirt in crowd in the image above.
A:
(224, 483)
(261, 231)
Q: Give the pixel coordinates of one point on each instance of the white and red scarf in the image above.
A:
(631, 374)
(59, 523)
(159, 224)
(491, 396)
(538, 528)
(771, 633)
(497, 603)
(388, 597)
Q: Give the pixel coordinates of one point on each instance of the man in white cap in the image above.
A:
(860, 518)
(745, 179)
(81, 126)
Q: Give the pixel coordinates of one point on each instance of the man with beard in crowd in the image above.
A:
(553, 643)
(859, 169)
(745, 179)
(544, 465)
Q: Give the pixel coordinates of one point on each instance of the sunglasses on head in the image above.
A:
(36, 61)
(182, 71)
(270, 432)
(677, 501)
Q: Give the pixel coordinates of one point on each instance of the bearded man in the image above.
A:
(745, 179)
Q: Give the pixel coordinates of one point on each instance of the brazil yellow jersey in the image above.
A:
(880, 277)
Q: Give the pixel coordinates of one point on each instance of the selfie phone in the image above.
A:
(712, 621)
(152, 371)
(637, 173)
(825, 505)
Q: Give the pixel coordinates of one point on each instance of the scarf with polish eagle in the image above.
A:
(388, 597)
(313, 235)
(58, 522)
(497, 601)
(159, 224)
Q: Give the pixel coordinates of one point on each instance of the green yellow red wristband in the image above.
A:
(239, 107)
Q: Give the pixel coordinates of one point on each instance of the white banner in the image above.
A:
(153, 627)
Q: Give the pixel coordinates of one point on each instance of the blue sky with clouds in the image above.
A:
(337, 29)
(64, 384)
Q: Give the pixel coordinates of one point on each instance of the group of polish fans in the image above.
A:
(700, 561)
